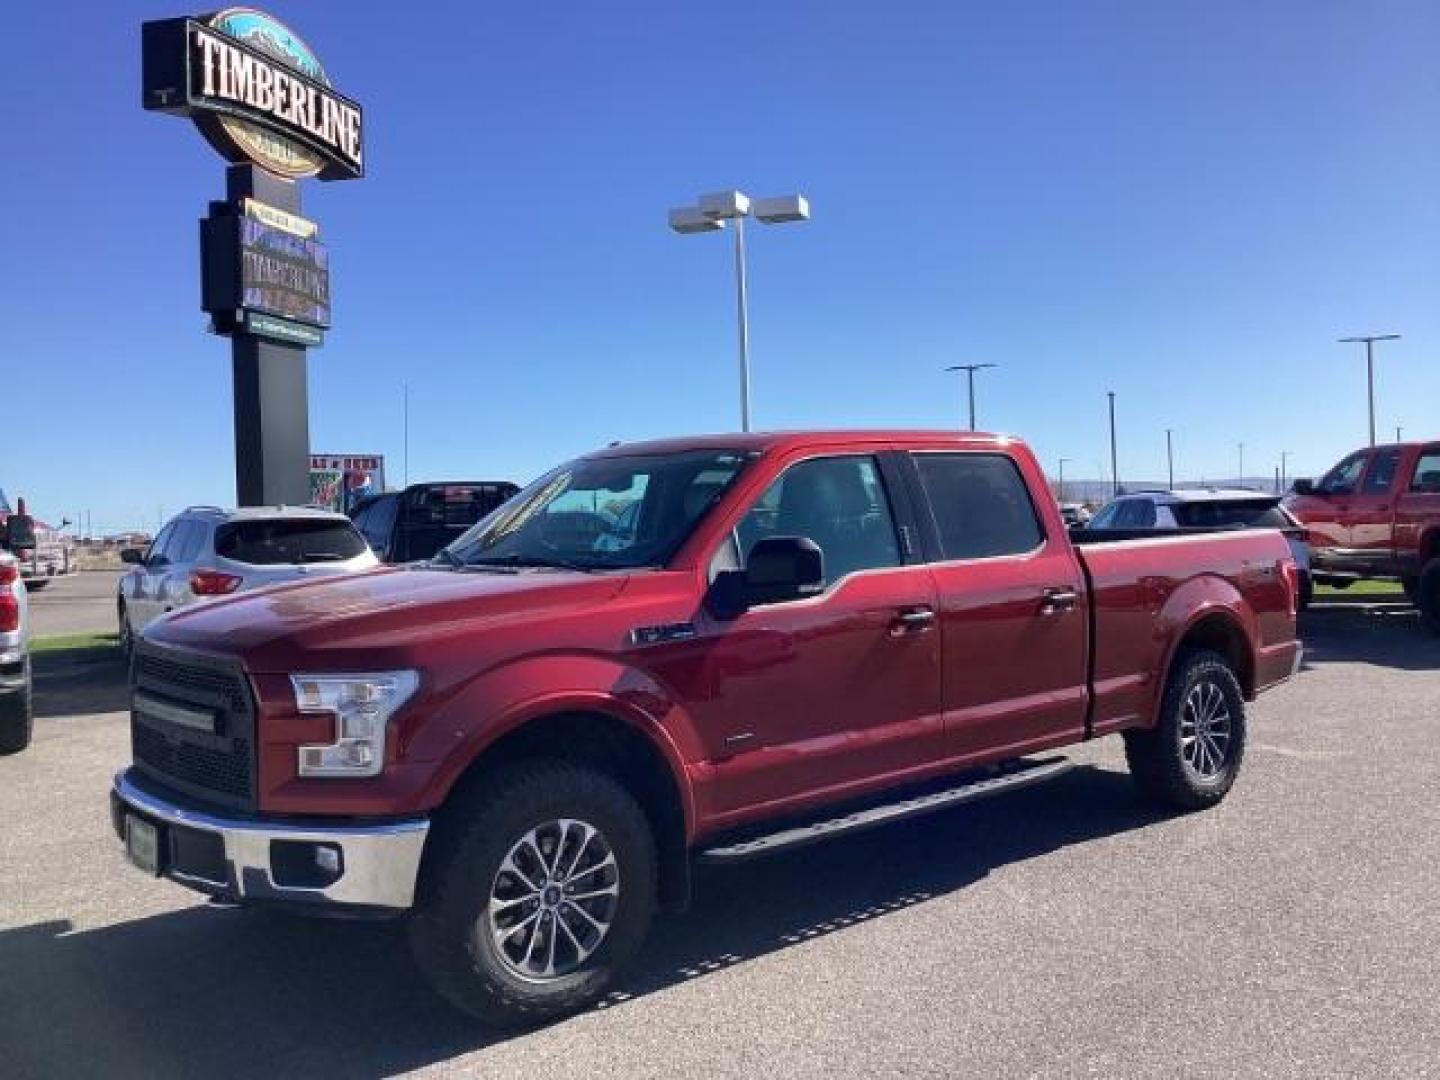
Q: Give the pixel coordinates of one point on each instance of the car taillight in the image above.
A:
(1292, 583)
(9, 602)
(213, 583)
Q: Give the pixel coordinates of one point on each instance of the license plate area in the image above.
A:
(142, 844)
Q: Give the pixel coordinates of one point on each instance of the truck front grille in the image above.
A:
(198, 733)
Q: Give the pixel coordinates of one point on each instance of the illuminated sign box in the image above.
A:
(255, 266)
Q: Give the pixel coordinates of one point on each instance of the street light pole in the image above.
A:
(970, 370)
(1061, 496)
(1284, 470)
(1114, 466)
(1242, 463)
(1369, 340)
(742, 316)
(710, 215)
(1170, 458)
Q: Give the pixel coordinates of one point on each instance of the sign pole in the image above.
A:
(272, 414)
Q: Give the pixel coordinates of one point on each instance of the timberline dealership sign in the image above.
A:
(256, 91)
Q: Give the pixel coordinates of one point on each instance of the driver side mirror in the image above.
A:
(778, 568)
(1304, 487)
(133, 556)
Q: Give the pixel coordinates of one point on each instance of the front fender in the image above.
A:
(504, 699)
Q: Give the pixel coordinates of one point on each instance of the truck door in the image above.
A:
(815, 696)
(1417, 510)
(1013, 620)
(1369, 514)
(1326, 514)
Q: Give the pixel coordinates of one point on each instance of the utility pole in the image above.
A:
(1398, 433)
(970, 370)
(1114, 466)
(1170, 458)
(1061, 496)
(1369, 340)
(407, 434)
(1242, 463)
(1284, 470)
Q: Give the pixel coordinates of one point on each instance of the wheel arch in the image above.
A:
(1219, 630)
(599, 734)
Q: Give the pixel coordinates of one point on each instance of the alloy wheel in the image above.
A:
(1206, 731)
(553, 900)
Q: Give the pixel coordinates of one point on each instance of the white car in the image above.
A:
(206, 552)
(16, 710)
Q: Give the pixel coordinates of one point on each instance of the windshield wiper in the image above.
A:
(519, 561)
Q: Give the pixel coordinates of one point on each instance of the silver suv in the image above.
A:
(206, 552)
(16, 715)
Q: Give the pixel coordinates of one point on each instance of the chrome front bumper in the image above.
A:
(264, 861)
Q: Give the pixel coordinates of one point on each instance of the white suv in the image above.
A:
(206, 552)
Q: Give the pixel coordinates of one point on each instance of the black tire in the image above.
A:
(1161, 761)
(35, 584)
(17, 719)
(1307, 593)
(1428, 596)
(450, 930)
(126, 631)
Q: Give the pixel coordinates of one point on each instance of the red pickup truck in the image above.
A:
(711, 648)
(1377, 515)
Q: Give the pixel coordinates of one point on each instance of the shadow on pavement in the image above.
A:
(231, 993)
(1385, 634)
(79, 682)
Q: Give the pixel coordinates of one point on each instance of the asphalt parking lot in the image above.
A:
(82, 603)
(1064, 930)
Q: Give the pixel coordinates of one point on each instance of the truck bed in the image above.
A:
(1146, 586)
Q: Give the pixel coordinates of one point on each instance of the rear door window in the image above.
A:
(288, 540)
(185, 545)
(981, 505)
(1427, 472)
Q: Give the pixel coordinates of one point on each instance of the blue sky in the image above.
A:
(1184, 202)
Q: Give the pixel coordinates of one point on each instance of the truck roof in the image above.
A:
(788, 440)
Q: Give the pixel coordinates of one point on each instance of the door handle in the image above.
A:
(1058, 599)
(912, 621)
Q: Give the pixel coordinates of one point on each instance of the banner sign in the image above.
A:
(256, 91)
(340, 481)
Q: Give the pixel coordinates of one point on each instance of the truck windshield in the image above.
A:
(603, 513)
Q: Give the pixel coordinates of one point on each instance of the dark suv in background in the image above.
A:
(410, 525)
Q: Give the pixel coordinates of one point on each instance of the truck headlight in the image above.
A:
(362, 706)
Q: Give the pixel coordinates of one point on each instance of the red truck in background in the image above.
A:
(1377, 515)
(713, 647)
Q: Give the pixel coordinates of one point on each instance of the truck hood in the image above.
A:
(373, 617)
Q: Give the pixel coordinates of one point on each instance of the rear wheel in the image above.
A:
(17, 718)
(1190, 759)
(538, 891)
(1427, 597)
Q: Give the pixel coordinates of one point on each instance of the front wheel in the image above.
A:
(539, 889)
(1190, 759)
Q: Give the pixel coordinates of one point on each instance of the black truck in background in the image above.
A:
(413, 524)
